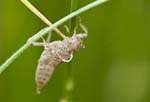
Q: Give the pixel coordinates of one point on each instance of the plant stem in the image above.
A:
(69, 81)
(13, 57)
(46, 30)
(73, 23)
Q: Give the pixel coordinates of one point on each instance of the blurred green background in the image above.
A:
(114, 66)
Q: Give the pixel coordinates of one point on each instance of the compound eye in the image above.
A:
(73, 40)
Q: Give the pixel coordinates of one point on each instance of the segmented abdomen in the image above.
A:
(43, 74)
(45, 68)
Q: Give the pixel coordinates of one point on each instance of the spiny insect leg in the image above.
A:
(39, 44)
(49, 37)
(44, 43)
(67, 29)
(82, 26)
(75, 30)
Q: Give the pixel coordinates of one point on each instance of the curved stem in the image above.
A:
(46, 30)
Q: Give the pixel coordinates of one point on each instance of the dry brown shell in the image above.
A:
(55, 53)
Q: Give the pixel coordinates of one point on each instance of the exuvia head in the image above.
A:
(75, 41)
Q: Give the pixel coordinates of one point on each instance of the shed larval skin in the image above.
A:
(55, 53)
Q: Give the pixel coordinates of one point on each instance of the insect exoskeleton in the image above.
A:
(55, 53)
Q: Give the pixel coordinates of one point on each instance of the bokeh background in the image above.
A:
(114, 66)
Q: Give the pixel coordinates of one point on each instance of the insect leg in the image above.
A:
(68, 60)
(44, 43)
(82, 26)
(49, 37)
(37, 44)
(67, 29)
(75, 30)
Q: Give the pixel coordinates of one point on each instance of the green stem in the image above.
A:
(72, 23)
(69, 81)
(46, 30)
(13, 57)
